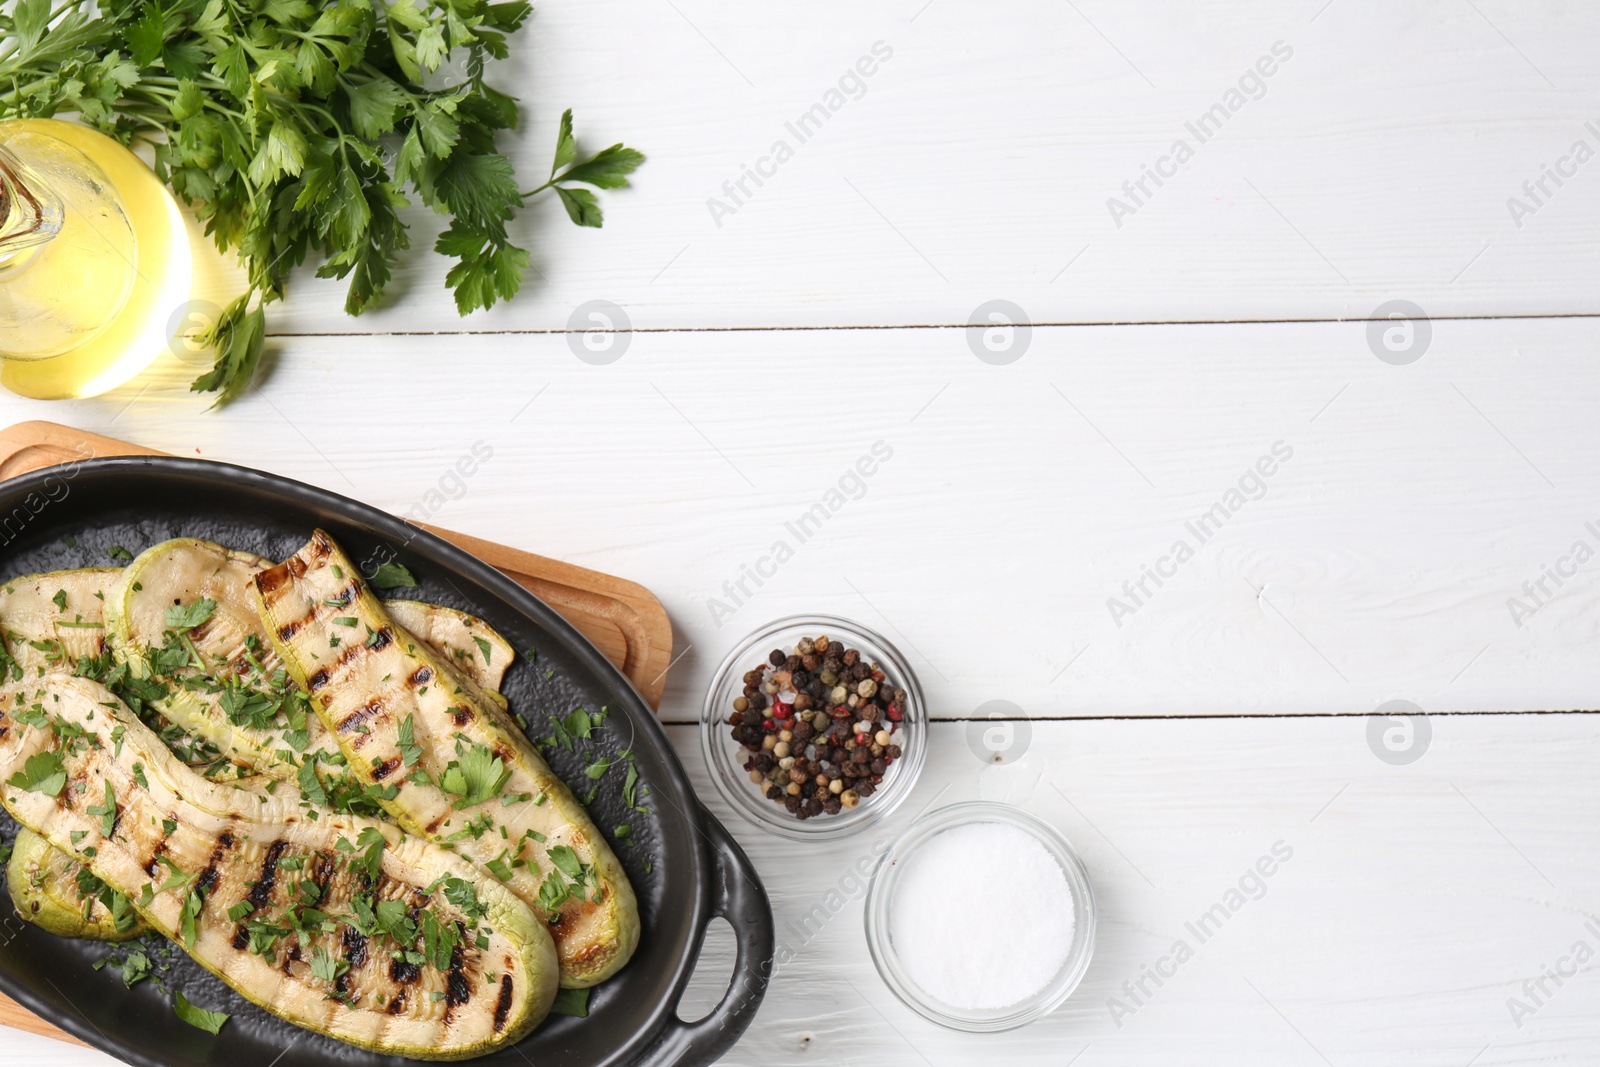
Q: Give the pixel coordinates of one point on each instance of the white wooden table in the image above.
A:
(1181, 337)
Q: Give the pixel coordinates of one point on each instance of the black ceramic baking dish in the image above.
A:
(683, 863)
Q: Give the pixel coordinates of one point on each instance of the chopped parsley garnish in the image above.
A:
(571, 1002)
(118, 552)
(483, 646)
(311, 788)
(410, 751)
(189, 928)
(209, 1021)
(42, 773)
(60, 600)
(106, 811)
(183, 618)
(326, 966)
(392, 576)
(475, 777)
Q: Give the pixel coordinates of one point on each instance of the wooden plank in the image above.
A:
(17, 1017)
(622, 618)
(1019, 499)
(1376, 162)
(1415, 903)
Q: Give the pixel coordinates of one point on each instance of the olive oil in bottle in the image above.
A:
(95, 261)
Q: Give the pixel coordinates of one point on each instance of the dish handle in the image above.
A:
(740, 898)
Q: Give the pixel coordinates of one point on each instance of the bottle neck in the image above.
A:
(30, 211)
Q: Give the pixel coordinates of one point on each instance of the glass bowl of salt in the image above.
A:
(980, 917)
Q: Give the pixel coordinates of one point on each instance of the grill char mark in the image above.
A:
(457, 990)
(150, 865)
(208, 877)
(355, 954)
(386, 768)
(261, 892)
(379, 640)
(502, 1006)
(361, 715)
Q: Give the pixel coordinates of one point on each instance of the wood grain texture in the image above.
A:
(978, 162)
(1019, 499)
(1417, 900)
(1380, 562)
(16, 1017)
(622, 618)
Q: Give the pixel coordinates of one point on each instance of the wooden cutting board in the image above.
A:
(623, 619)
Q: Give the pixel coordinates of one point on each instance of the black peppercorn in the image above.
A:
(821, 753)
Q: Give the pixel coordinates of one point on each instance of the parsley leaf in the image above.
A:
(266, 118)
(327, 966)
(106, 811)
(187, 618)
(392, 576)
(42, 773)
(571, 1002)
(410, 751)
(209, 1021)
(476, 777)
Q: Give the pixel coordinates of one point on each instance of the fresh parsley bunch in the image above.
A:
(297, 130)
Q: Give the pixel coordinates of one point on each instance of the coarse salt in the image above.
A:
(982, 916)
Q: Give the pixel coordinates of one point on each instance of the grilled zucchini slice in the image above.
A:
(52, 890)
(344, 926)
(231, 691)
(51, 621)
(473, 647)
(449, 763)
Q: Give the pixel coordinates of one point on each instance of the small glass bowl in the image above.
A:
(977, 1021)
(725, 757)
